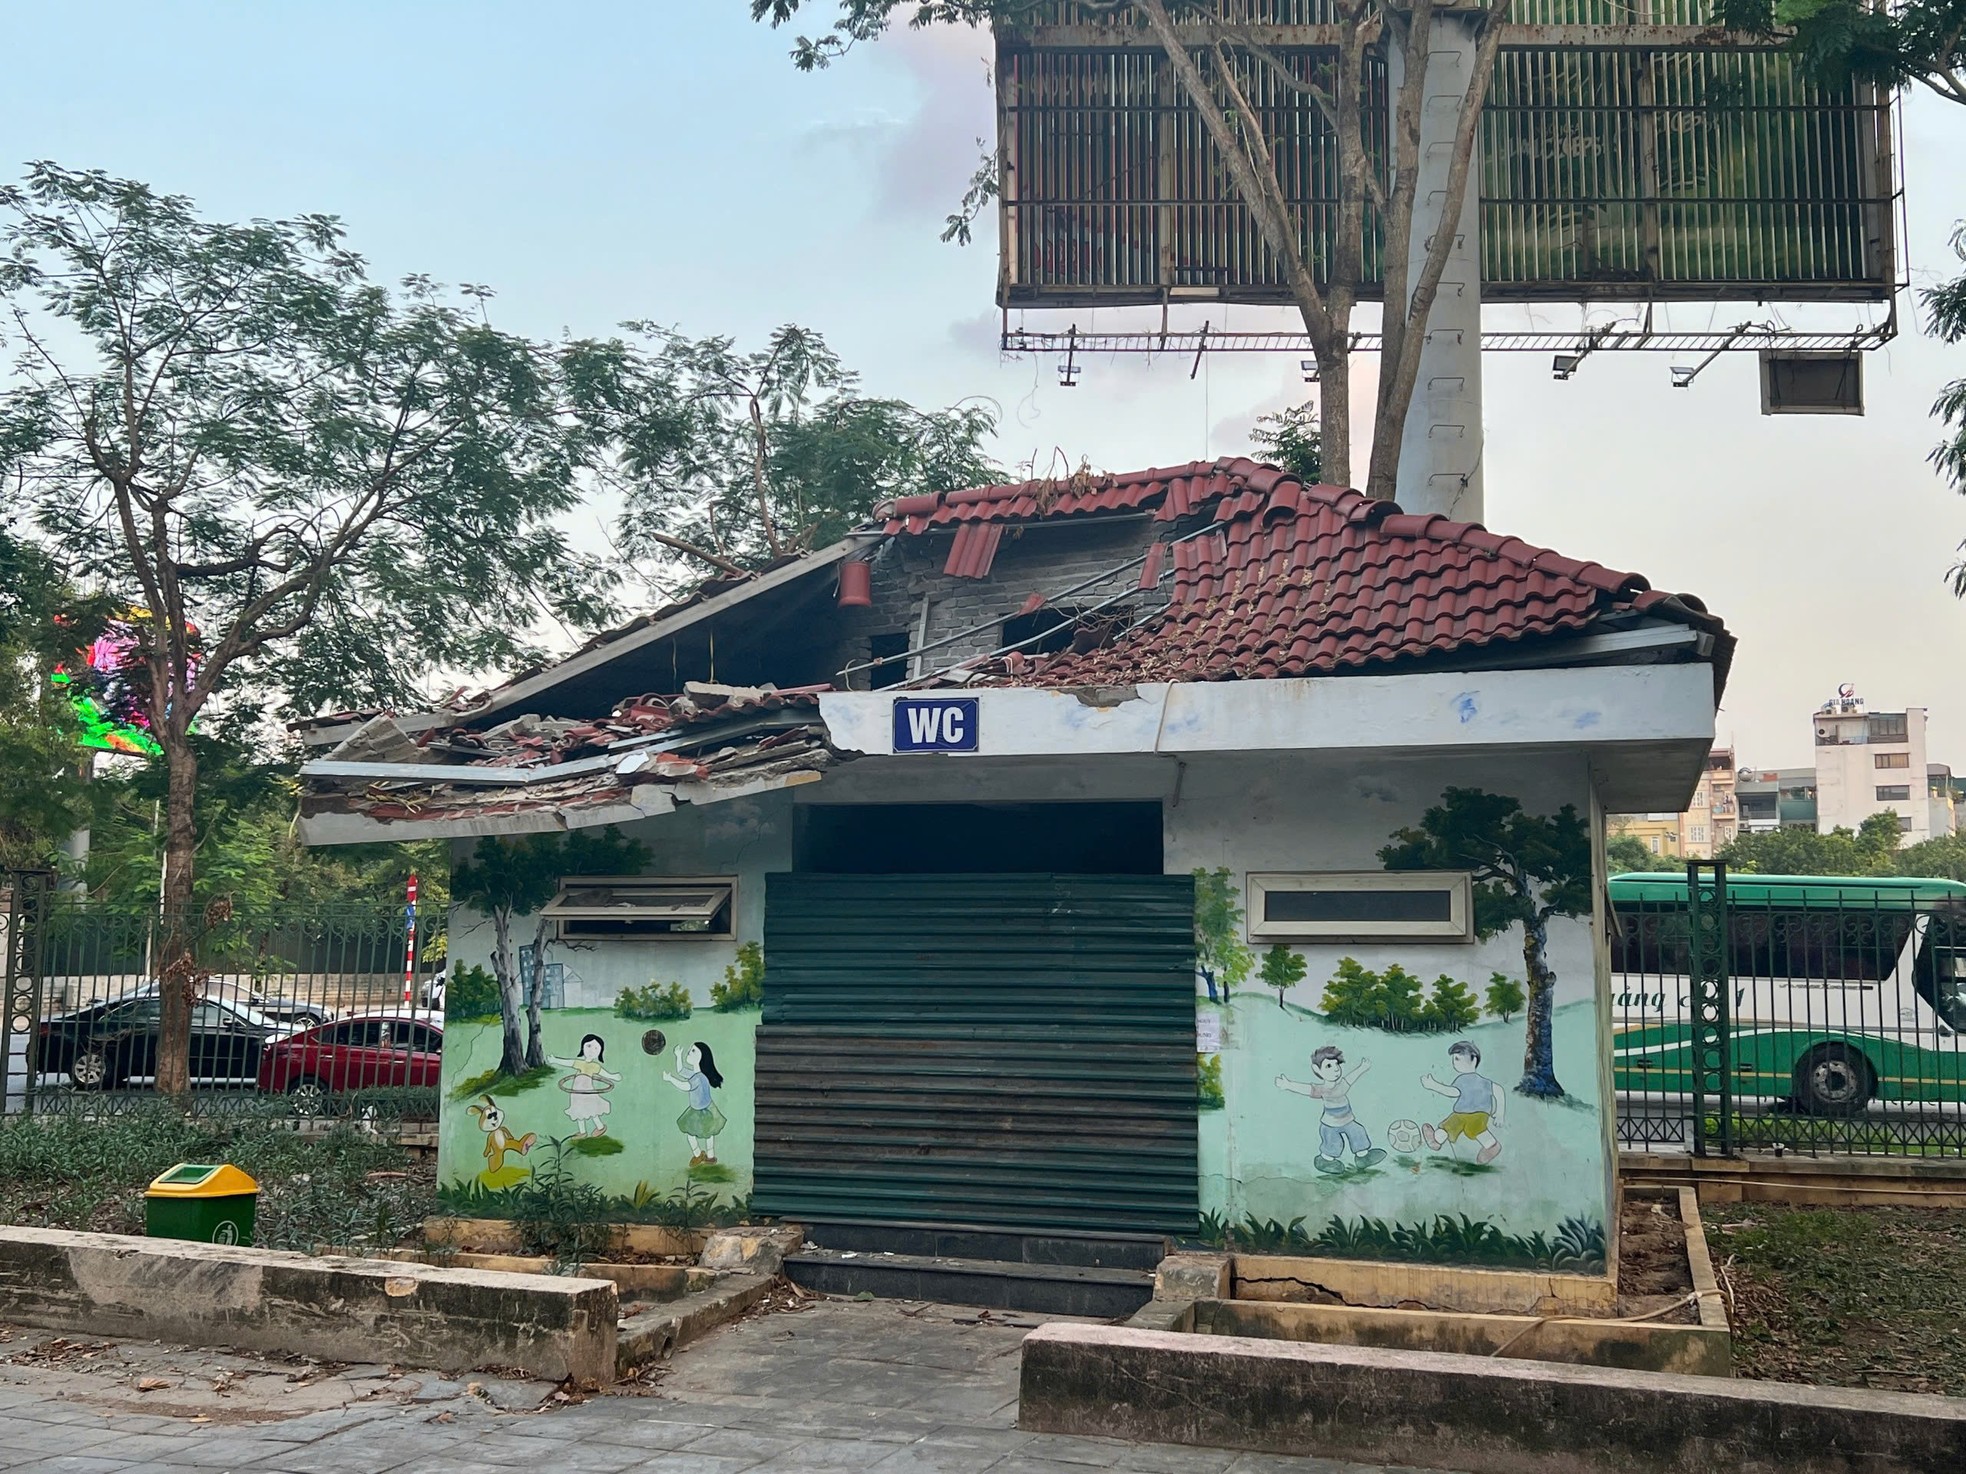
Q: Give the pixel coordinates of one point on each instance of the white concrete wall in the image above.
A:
(747, 837)
(1847, 776)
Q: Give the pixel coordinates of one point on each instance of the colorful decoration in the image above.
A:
(106, 684)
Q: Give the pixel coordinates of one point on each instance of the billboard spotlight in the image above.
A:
(1565, 364)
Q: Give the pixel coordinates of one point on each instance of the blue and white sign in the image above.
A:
(935, 724)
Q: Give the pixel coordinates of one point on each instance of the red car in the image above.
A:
(360, 1053)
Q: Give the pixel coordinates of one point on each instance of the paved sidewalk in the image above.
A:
(842, 1386)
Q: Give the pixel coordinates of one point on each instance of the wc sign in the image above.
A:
(935, 724)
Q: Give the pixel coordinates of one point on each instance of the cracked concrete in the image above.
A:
(878, 1387)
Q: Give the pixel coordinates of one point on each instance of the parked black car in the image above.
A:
(103, 1046)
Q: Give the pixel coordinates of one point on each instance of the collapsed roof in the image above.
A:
(1259, 577)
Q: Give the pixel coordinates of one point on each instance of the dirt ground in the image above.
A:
(1653, 1274)
(1847, 1297)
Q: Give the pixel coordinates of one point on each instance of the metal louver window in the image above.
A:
(601, 906)
(1015, 1051)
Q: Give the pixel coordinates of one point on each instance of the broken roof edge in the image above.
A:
(610, 645)
(644, 801)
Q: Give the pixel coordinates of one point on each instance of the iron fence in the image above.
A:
(319, 1008)
(1787, 1014)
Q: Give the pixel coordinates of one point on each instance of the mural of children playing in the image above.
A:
(1338, 1128)
(1478, 1103)
(701, 1121)
(588, 1086)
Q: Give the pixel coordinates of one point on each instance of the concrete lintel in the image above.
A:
(328, 1307)
(1481, 1414)
(1663, 712)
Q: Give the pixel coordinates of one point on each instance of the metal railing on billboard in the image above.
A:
(309, 1013)
(1804, 1014)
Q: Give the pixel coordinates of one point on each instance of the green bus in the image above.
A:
(1843, 991)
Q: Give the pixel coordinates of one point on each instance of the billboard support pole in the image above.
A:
(1440, 451)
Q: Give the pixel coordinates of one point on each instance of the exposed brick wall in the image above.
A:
(1046, 560)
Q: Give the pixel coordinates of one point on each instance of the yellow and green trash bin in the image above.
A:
(210, 1203)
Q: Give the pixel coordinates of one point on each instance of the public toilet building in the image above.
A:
(1177, 853)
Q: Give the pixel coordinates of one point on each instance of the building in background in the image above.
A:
(1776, 798)
(1708, 823)
(1870, 761)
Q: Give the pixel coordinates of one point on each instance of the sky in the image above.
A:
(599, 162)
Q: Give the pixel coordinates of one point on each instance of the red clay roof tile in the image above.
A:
(1294, 580)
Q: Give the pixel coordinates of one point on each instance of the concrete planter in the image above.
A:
(501, 1236)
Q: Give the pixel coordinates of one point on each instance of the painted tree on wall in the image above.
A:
(507, 879)
(1220, 956)
(1527, 868)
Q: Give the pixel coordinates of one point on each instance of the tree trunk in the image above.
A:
(175, 960)
(1334, 404)
(535, 981)
(1539, 1047)
(512, 1055)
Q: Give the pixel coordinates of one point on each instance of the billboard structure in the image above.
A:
(1627, 154)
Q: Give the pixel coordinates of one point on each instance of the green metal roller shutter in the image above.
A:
(1001, 1050)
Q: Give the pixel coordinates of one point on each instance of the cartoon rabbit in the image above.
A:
(499, 1143)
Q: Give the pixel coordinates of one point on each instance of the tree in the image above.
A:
(738, 460)
(305, 483)
(1291, 439)
(1503, 996)
(1214, 60)
(1872, 849)
(509, 879)
(44, 790)
(1283, 970)
(1452, 1007)
(1623, 854)
(1220, 956)
(1527, 869)
(1900, 44)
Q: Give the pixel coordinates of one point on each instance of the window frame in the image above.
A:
(571, 925)
(1890, 761)
(1893, 793)
(1458, 928)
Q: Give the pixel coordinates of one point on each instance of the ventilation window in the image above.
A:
(890, 656)
(1048, 630)
(1366, 906)
(597, 908)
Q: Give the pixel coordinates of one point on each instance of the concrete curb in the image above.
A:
(659, 1333)
(337, 1309)
(1473, 1413)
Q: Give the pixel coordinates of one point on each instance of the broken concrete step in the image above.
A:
(1044, 1289)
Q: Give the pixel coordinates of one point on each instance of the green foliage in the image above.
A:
(471, 993)
(1292, 439)
(1526, 867)
(743, 984)
(309, 485)
(1208, 1082)
(737, 460)
(1870, 850)
(1396, 1000)
(654, 1003)
(1220, 956)
(79, 1171)
(1503, 996)
(43, 794)
(1624, 854)
(1577, 1247)
(497, 1082)
(1283, 969)
(1452, 1007)
(557, 1214)
(520, 875)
